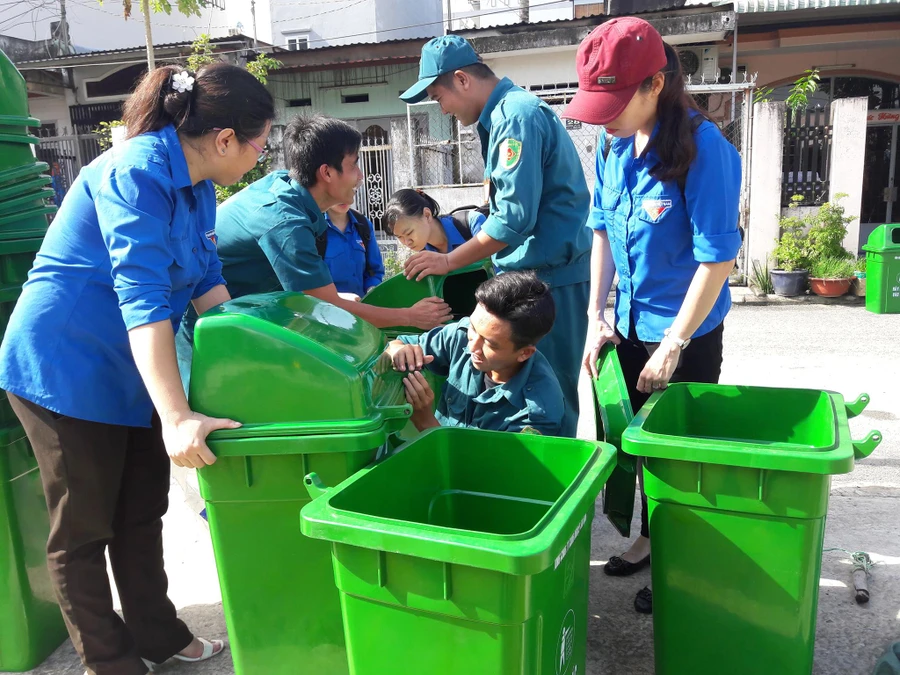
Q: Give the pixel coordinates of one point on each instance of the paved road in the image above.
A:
(839, 348)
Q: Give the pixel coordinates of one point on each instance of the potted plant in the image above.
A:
(791, 254)
(830, 277)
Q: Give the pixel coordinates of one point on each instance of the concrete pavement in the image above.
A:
(842, 348)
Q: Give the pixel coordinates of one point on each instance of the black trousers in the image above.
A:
(700, 362)
(107, 488)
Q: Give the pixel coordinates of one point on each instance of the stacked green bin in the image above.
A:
(737, 480)
(883, 270)
(311, 386)
(457, 289)
(31, 625)
(467, 551)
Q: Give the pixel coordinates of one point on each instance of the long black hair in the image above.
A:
(674, 144)
(222, 96)
(408, 203)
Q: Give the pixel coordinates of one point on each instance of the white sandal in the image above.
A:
(210, 649)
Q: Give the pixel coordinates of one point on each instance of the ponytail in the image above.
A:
(408, 203)
(220, 95)
(674, 144)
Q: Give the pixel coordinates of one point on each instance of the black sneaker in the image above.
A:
(643, 601)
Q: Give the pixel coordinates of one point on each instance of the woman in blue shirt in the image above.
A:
(665, 218)
(415, 219)
(89, 354)
(351, 252)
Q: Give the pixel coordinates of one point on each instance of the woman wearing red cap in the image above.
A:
(665, 218)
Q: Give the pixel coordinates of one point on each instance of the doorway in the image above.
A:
(880, 202)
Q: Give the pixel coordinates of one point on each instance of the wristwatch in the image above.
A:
(682, 344)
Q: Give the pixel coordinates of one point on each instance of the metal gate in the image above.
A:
(376, 162)
(66, 155)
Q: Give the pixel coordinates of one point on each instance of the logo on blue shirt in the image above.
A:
(211, 235)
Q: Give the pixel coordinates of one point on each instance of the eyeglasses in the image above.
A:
(263, 153)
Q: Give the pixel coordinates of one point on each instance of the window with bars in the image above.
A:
(215, 4)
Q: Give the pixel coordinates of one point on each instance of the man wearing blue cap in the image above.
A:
(539, 201)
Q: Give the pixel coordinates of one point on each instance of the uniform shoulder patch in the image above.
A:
(510, 153)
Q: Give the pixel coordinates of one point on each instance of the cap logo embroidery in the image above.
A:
(606, 80)
(656, 207)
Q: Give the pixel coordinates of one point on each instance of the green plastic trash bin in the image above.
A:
(612, 409)
(31, 625)
(20, 174)
(737, 481)
(883, 270)
(309, 382)
(457, 289)
(467, 551)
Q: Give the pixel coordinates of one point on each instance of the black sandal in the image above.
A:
(619, 567)
(643, 601)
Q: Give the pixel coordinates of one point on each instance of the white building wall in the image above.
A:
(339, 22)
(93, 26)
(486, 13)
(530, 67)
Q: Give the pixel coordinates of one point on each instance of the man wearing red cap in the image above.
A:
(665, 218)
(539, 201)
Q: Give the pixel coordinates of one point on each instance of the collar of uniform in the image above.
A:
(180, 173)
(351, 222)
(499, 92)
(512, 390)
(316, 217)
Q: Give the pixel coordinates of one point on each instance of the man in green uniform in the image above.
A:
(495, 377)
(539, 201)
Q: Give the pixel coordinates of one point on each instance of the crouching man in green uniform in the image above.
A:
(496, 378)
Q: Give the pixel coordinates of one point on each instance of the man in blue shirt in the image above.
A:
(349, 249)
(496, 378)
(267, 232)
(539, 201)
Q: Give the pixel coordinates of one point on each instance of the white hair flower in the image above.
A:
(182, 82)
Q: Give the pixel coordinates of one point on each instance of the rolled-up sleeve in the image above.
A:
(290, 247)
(517, 180)
(444, 343)
(213, 277)
(135, 206)
(712, 194)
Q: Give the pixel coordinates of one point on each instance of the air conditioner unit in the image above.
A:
(700, 63)
(234, 31)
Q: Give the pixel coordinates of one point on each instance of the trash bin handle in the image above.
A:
(865, 447)
(855, 408)
(314, 486)
(395, 411)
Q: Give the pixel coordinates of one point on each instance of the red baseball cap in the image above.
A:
(612, 63)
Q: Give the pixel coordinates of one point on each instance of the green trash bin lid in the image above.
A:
(803, 430)
(14, 101)
(24, 187)
(884, 238)
(289, 359)
(457, 289)
(614, 414)
(492, 500)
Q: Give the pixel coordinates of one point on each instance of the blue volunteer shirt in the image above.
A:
(353, 269)
(539, 198)
(454, 238)
(532, 398)
(267, 238)
(131, 245)
(659, 236)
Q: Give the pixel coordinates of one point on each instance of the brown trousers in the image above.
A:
(107, 489)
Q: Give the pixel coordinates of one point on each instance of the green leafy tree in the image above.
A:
(186, 7)
(792, 247)
(826, 235)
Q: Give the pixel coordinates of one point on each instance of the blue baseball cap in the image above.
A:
(440, 55)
